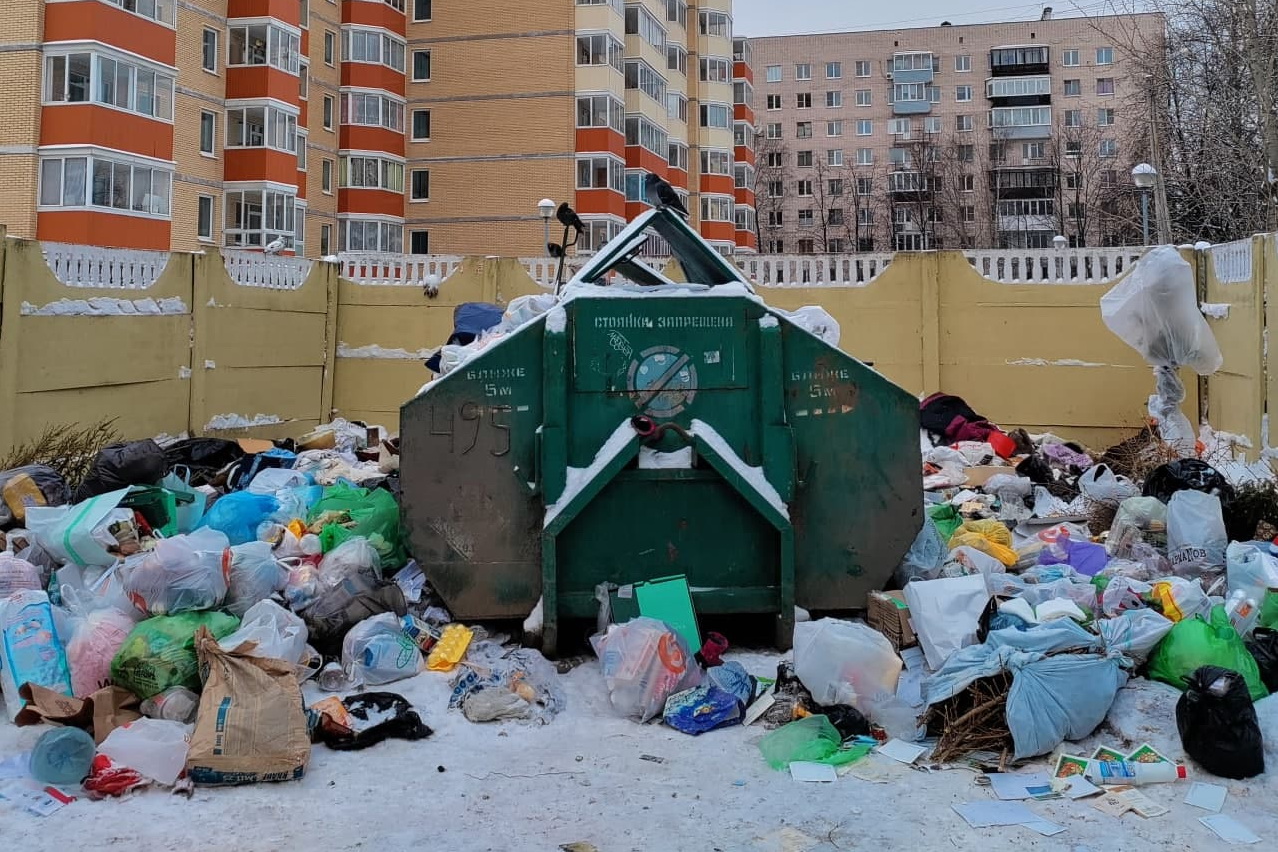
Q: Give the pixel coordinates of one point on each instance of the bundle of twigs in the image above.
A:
(973, 720)
(68, 448)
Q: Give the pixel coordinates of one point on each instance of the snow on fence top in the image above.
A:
(1231, 262)
(104, 268)
(271, 272)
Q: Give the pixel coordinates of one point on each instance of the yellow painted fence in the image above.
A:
(239, 344)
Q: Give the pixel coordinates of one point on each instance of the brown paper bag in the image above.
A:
(100, 713)
(251, 725)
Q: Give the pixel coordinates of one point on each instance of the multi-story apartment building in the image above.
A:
(1001, 135)
(368, 125)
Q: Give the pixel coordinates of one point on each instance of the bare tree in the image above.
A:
(772, 177)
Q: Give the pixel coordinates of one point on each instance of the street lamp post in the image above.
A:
(1144, 176)
(546, 208)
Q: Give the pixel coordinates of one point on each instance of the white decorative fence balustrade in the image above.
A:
(93, 267)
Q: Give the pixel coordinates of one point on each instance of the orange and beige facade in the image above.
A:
(368, 125)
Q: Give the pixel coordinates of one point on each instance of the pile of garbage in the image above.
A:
(164, 613)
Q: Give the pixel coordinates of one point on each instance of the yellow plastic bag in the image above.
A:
(990, 537)
(450, 648)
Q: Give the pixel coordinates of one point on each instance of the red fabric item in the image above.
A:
(712, 650)
(106, 778)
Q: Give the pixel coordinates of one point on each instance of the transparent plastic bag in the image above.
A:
(253, 576)
(925, 557)
(95, 640)
(1139, 519)
(813, 738)
(643, 663)
(843, 662)
(1102, 485)
(377, 651)
(1123, 594)
(279, 634)
(182, 574)
(155, 747)
(353, 556)
(17, 575)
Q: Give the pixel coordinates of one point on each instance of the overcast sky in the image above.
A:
(781, 17)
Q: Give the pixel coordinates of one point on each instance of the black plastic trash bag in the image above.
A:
(203, 457)
(1187, 475)
(847, 720)
(1263, 645)
(121, 465)
(1218, 724)
(398, 720)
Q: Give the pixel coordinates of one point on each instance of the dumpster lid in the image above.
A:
(701, 264)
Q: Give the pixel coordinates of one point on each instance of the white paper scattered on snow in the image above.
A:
(1209, 797)
(1043, 827)
(990, 814)
(1012, 785)
(1229, 829)
(1078, 787)
(803, 770)
(902, 751)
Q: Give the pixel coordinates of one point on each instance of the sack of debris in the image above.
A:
(644, 662)
(251, 725)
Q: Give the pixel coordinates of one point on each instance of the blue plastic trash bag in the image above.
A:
(733, 679)
(702, 708)
(239, 514)
(926, 556)
(1060, 698)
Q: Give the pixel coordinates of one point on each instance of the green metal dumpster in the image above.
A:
(635, 432)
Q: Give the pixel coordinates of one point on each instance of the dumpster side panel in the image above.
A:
(467, 468)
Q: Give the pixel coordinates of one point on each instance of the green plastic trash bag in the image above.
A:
(160, 652)
(372, 514)
(1195, 642)
(812, 738)
(946, 518)
(1269, 611)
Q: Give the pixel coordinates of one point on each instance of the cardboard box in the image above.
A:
(887, 613)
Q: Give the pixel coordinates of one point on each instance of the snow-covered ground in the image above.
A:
(507, 787)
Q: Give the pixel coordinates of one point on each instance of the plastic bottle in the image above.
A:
(177, 704)
(1123, 772)
(62, 756)
(1242, 611)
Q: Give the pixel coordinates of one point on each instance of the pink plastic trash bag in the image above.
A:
(97, 638)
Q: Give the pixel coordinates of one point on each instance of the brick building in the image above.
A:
(368, 125)
(983, 135)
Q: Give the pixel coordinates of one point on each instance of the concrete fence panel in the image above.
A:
(1232, 285)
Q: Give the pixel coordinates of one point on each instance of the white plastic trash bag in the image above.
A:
(253, 575)
(1134, 633)
(279, 634)
(1102, 485)
(946, 614)
(183, 574)
(78, 533)
(1195, 529)
(842, 662)
(155, 747)
(1155, 311)
(377, 651)
(1250, 571)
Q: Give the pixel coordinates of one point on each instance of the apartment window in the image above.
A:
(326, 176)
(1109, 148)
(803, 130)
(1104, 56)
(1073, 148)
(1069, 58)
(370, 235)
(641, 22)
(776, 189)
(258, 217)
(208, 126)
(963, 123)
(640, 75)
(264, 44)
(834, 70)
(676, 12)
(807, 246)
(863, 68)
(642, 132)
(716, 24)
(82, 77)
(967, 183)
(776, 218)
(600, 49)
(898, 157)
(419, 242)
(967, 213)
(97, 181)
(715, 70)
(963, 63)
(156, 10)
(909, 92)
(1105, 117)
(742, 176)
(963, 93)
(1105, 85)
(864, 186)
(373, 47)
(717, 115)
(716, 209)
(422, 10)
(834, 99)
(1021, 117)
(965, 153)
(261, 127)
(775, 160)
(299, 145)
(676, 59)
(330, 46)
(774, 74)
(899, 127)
(1073, 118)
(592, 111)
(421, 125)
(328, 112)
(865, 156)
(208, 52)
(421, 185)
(303, 81)
(834, 157)
(204, 218)
(1073, 88)
(678, 156)
(369, 109)
(600, 173)
(367, 172)
(913, 62)
(326, 240)
(803, 71)
(774, 102)
(932, 124)
(716, 162)
(864, 127)
(804, 188)
(1015, 87)
(1109, 178)
(1027, 207)
(806, 218)
(834, 128)
(803, 159)
(1032, 150)
(834, 187)
(421, 66)
(803, 100)
(774, 130)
